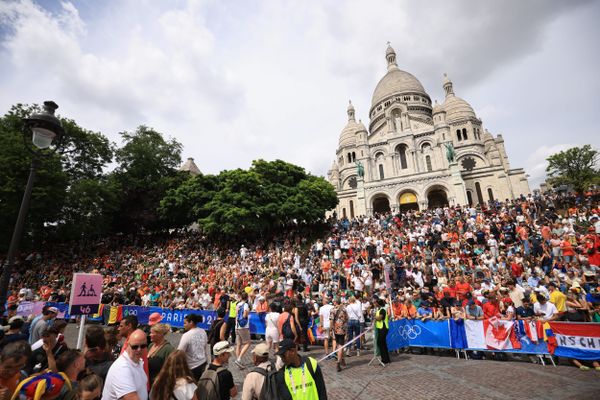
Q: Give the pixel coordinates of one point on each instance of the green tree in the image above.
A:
(246, 203)
(147, 169)
(576, 167)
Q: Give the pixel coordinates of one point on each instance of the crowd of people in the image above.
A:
(535, 257)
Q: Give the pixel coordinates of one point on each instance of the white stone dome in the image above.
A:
(348, 134)
(457, 109)
(396, 81)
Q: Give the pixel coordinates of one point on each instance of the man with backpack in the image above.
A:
(216, 383)
(300, 378)
(242, 329)
(254, 384)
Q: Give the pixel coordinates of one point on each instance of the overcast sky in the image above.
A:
(240, 80)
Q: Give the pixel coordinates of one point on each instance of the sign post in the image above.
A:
(86, 293)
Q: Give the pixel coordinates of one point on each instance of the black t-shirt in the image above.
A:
(225, 382)
(525, 312)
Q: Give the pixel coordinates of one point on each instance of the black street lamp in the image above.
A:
(41, 130)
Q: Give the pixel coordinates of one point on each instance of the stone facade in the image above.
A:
(400, 162)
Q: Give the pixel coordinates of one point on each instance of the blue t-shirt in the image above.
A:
(422, 311)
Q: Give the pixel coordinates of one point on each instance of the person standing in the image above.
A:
(126, 378)
(242, 329)
(193, 343)
(159, 349)
(217, 374)
(355, 317)
(271, 330)
(254, 381)
(324, 322)
(300, 378)
(40, 324)
(175, 380)
(381, 329)
(339, 328)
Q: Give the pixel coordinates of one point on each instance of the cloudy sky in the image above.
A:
(240, 80)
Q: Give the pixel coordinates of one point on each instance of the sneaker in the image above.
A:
(584, 368)
(357, 353)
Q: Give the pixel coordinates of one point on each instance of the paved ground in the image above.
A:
(412, 376)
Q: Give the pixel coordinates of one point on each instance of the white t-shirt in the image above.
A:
(184, 390)
(193, 343)
(124, 377)
(324, 312)
(358, 283)
(271, 319)
(548, 309)
(354, 311)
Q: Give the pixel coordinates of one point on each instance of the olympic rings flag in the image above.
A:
(417, 333)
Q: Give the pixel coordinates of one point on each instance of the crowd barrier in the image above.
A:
(565, 339)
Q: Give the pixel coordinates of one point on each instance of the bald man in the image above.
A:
(126, 378)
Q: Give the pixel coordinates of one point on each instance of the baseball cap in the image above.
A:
(154, 318)
(53, 310)
(285, 345)
(222, 347)
(14, 318)
(261, 350)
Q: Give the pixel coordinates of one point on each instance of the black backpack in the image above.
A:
(269, 374)
(286, 328)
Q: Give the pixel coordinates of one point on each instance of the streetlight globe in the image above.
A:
(42, 138)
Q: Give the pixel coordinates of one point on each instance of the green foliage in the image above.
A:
(576, 167)
(241, 203)
(147, 169)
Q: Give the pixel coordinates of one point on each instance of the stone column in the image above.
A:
(361, 198)
(458, 185)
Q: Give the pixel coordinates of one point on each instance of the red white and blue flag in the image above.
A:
(580, 341)
(491, 334)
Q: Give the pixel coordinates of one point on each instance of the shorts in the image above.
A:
(340, 339)
(242, 335)
(272, 334)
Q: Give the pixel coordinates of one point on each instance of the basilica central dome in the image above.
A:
(395, 81)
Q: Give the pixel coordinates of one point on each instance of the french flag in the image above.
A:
(578, 340)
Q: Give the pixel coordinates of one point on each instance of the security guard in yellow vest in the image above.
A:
(382, 326)
(300, 378)
(230, 324)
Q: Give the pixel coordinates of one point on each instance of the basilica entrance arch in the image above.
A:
(408, 201)
(437, 197)
(381, 204)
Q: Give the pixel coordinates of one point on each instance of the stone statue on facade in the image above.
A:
(450, 153)
(360, 169)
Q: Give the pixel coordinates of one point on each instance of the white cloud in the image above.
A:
(236, 81)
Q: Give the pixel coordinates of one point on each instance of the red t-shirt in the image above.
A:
(490, 310)
(462, 289)
(516, 269)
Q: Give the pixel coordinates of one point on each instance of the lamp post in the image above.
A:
(40, 130)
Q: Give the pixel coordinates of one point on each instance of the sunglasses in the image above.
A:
(138, 346)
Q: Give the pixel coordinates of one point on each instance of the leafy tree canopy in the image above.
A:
(576, 167)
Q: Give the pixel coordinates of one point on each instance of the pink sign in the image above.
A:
(86, 293)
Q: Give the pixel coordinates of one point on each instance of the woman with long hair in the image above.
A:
(175, 380)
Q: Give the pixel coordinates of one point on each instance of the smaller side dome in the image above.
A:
(437, 108)
(456, 108)
(348, 134)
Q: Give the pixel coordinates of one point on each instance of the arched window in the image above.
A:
(428, 162)
(351, 209)
(465, 134)
(458, 135)
(344, 213)
(490, 194)
(353, 156)
(381, 176)
(349, 158)
(469, 197)
(402, 156)
(479, 194)
(425, 147)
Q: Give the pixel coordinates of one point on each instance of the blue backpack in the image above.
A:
(242, 322)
